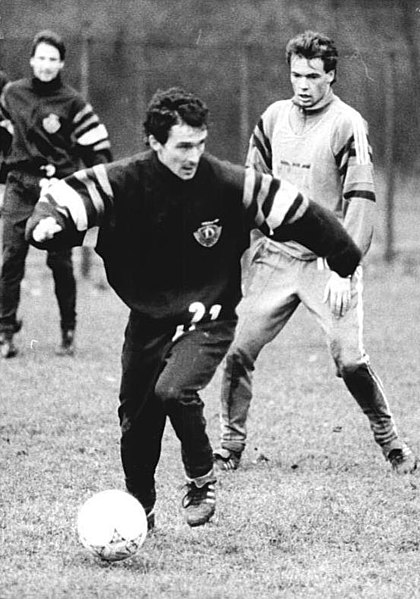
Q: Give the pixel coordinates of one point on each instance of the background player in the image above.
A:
(320, 144)
(54, 129)
(174, 223)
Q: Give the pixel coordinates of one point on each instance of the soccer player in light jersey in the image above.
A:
(173, 224)
(320, 144)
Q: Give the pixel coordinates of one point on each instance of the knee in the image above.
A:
(350, 365)
(346, 361)
(173, 395)
(239, 360)
(168, 393)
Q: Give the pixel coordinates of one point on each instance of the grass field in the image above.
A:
(314, 512)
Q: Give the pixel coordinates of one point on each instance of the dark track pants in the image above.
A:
(22, 192)
(160, 378)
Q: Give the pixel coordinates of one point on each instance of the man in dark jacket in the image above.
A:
(54, 130)
(174, 223)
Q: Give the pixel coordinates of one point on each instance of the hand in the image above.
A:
(338, 294)
(46, 229)
(46, 182)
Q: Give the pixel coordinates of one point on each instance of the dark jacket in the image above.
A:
(169, 245)
(52, 124)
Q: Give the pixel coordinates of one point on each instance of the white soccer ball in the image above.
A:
(112, 525)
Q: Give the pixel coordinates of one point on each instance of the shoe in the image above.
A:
(402, 460)
(7, 348)
(66, 348)
(199, 503)
(227, 459)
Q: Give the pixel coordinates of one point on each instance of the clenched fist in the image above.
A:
(46, 229)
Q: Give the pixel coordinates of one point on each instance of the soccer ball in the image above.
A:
(112, 525)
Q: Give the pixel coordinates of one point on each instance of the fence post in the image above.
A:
(243, 100)
(389, 87)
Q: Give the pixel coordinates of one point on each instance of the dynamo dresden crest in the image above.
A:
(51, 123)
(208, 234)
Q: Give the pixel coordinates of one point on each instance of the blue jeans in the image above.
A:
(162, 377)
(22, 192)
(277, 284)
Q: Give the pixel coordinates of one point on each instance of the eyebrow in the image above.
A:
(306, 75)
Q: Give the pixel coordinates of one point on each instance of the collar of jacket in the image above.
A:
(168, 178)
(45, 88)
(326, 100)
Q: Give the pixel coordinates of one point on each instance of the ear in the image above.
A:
(331, 76)
(154, 143)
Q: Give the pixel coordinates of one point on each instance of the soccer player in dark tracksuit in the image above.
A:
(174, 223)
(54, 130)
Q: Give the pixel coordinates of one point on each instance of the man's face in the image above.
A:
(183, 149)
(309, 80)
(46, 62)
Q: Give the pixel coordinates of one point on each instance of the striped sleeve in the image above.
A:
(89, 131)
(271, 202)
(353, 156)
(81, 199)
(281, 212)
(259, 152)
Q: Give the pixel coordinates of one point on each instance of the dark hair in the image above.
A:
(50, 38)
(171, 107)
(313, 45)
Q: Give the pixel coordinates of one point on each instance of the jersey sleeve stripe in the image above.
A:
(271, 201)
(297, 209)
(262, 144)
(92, 189)
(90, 120)
(270, 196)
(86, 110)
(361, 140)
(263, 192)
(288, 204)
(249, 186)
(252, 190)
(66, 197)
(360, 193)
(259, 132)
(102, 178)
(102, 145)
(92, 136)
(348, 155)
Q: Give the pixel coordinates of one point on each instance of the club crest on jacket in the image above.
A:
(51, 123)
(209, 233)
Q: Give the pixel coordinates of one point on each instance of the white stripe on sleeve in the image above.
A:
(360, 140)
(249, 186)
(284, 199)
(98, 133)
(66, 197)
